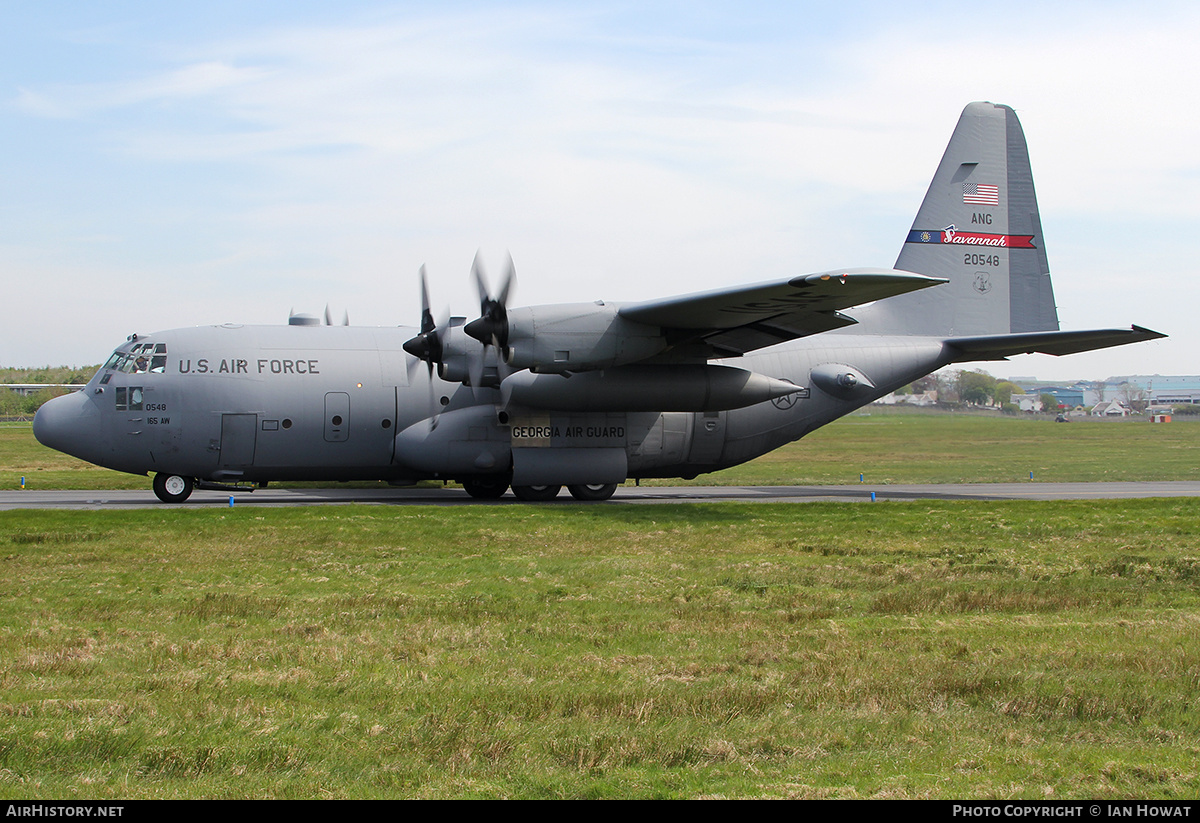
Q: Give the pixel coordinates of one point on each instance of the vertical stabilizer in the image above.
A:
(978, 227)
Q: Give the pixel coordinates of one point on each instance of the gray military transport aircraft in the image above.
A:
(588, 395)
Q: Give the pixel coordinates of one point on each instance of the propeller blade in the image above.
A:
(475, 371)
(328, 321)
(510, 280)
(426, 314)
(480, 282)
(427, 345)
(492, 326)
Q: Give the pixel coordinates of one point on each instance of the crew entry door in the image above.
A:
(237, 439)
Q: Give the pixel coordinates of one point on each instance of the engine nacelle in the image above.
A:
(465, 360)
(577, 337)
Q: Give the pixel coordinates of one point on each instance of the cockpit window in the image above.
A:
(158, 362)
(142, 358)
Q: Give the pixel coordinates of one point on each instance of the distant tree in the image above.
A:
(946, 385)
(10, 403)
(976, 387)
(1133, 397)
(1005, 390)
(925, 384)
(1049, 402)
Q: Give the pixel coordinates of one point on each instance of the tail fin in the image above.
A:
(978, 227)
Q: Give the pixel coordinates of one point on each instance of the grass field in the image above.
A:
(896, 650)
(963, 650)
(885, 446)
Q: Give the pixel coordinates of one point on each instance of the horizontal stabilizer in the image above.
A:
(1002, 346)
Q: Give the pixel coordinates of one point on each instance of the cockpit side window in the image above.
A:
(158, 362)
(139, 357)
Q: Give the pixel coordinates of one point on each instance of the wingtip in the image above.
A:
(1148, 334)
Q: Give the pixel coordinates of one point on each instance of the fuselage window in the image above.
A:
(129, 399)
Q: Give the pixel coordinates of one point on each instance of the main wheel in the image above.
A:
(486, 488)
(536, 492)
(172, 488)
(594, 491)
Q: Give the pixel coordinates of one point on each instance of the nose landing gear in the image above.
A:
(172, 488)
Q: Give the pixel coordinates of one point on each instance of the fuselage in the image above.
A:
(264, 403)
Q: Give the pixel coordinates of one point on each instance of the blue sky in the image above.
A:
(172, 165)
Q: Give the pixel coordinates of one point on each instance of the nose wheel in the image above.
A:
(172, 488)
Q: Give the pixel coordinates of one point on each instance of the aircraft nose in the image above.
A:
(68, 424)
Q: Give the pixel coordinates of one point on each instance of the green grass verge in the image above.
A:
(885, 446)
(925, 649)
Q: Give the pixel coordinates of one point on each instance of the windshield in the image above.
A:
(142, 358)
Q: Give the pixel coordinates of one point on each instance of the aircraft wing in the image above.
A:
(1001, 346)
(744, 318)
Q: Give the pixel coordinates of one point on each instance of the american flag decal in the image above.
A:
(981, 194)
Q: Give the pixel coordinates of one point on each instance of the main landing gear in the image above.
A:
(492, 488)
(592, 492)
(172, 488)
(486, 488)
(536, 493)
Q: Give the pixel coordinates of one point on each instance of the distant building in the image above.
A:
(1027, 402)
(1067, 397)
(1156, 389)
(1110, 408)
(928, 398)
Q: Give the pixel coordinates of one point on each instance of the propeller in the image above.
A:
(438, 344)
(492, 326)
(427, 346)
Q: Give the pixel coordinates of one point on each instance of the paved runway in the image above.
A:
(31, 499)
